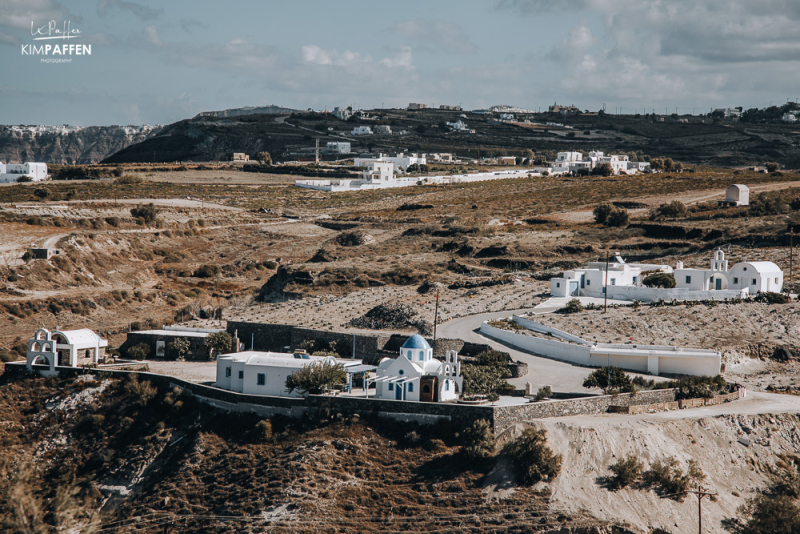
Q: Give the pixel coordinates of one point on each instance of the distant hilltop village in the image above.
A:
(66, 129)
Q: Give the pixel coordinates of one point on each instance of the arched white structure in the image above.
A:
(68, 348)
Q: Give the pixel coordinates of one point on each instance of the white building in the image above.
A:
(383, 129)
(265, 373)
(417, 376)
(66, 348)
(338, 147)
(458, 126)
(342, 113)
(789, 117)
(574, 161)
(401, 161)
(729, 113)
(625, 281)
(361, 130)
(737, 195)
(11, 172)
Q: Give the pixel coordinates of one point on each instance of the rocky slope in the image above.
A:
(70, 145)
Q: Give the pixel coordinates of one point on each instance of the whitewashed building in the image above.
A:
(65, 348)
(417, 376)
(401, 161)
(737, 195)
(265, 373)
(11, 172)
(338, 147)
(383, 129)
(361, 130)
(625, 281)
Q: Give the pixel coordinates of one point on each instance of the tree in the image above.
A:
(219, 342)
(604, 169)
(771, 166)
(532, 459)
(477, 440)
(318, 376)
(665, 280)
(264, 158)
(148, 212)
(599, 378)
(138, 352)
(669, 165)
(179, 347)
(626, 471)
(618, 217)
(601, 212)
(671, 210)
(421, 129)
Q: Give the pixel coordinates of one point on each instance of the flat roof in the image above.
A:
(171, 333)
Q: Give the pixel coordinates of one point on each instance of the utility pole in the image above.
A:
(700, 492)
(436, 315)
(605, 288)
(791, 254)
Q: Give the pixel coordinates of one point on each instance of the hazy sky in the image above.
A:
(158, 62)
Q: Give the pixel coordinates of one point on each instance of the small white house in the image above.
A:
(383, 129)
(417, 376)
(753, 277)
(737, 195)
(337, 147)
(265, 373)
(11, 172)
(66, 348)
(401, 161)
(361, 130)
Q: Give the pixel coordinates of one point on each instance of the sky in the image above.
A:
(159, 62)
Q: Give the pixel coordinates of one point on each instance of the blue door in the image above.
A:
(719, 284)
(398, 391)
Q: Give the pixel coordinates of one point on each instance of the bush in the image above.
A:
(148, 212)
(768, 204)
(41, 192)
(771, 514)
(670, 479)
(599, 378)
(573, 306)
(269, 264)
(129, 179)
(532, 459)
(626, 471)
(263, 431)
(543, 393)
(477, 440)
(207, 271)
(318, 376)
(773, 298)
(604, 169)
(601, 213)
(138, 352)
(618, 217)
(24, 179)
(671, 210)
(264, 158)
(220, 342)
(771, 166)
(665, 280)
(113, 221)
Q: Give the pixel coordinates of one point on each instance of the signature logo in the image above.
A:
(51, 30)
(58, 31)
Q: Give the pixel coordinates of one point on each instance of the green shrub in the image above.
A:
(113, 221)
(664, 280)
(573, 306)
(626, 471)
(24, 179)
(671, 210)
(221, 342)
(477, 440)
(604, 169)
(543, 393)
(148, 212)
(270, 264)
(618, 217)
(531, 458)
(263, 431)
(138, 352)
(318, 376)
(207, 271)
(773, 298)
(601, 213)
(129, 179)
(599, 378)
(670, 480)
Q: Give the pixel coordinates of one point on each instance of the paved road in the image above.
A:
(563, 377)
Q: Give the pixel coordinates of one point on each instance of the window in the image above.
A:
(391, 386)
(421, 355)
(261, 379)
(227, 372)
(754, 281)
(241, 375)
(776, 279)
(613, 281)
(558, 284)
(447, 385)
(588, 282)
(735, 280)
(688, 279)
(744, 269)
(634, 280)
(401, 372)
(410, 388)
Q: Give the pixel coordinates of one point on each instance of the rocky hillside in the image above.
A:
(68, 145)
(248, 110)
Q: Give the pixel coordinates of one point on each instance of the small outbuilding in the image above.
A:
(737, 195)
(66, 348)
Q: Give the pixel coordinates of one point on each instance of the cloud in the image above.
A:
(578, 43)
(141, 11)
(191, 24)
(315, 55)
(435, 35)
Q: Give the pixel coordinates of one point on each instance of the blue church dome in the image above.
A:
(416, 342)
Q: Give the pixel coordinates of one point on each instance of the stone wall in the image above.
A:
(507, 416)
(197, 346)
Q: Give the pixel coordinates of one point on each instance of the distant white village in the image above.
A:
(390, 171)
